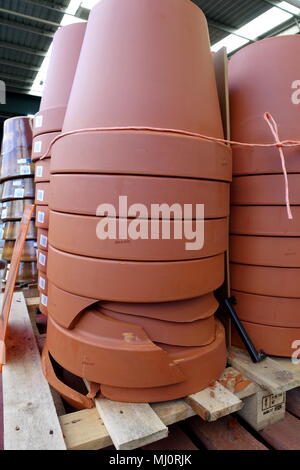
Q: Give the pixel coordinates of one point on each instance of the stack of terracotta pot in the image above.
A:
(153, 336)
(17, 190)
(265, 244)
(47, 126)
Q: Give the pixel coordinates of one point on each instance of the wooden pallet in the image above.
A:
(34, 416)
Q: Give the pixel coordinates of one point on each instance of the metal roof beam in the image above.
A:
(225, 28)
(26, 29)
(7, 76)
(19, 65)
(295, 3)
(273, 3)
(28, 17)
(26, 50)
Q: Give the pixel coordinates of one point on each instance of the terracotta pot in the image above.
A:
(123, 281)
(264, 221)
(261, 280)
(42, 239)
(257, 87)
(185, 71)
(259, 190)
(41, 144)
(82, 239)
(142, 153)
(13, 210)
(275, 341)
(265, 251)
(66, 48)
(44, 304)
(66, 307)
(82, 194)
(273, 311)
(16, 147)
(43, 283)
(28, 253)
(42, 261)
(42, 194)
(11, 231)
(42, 170)
(18, 189)
(151, 365)
(42, 217)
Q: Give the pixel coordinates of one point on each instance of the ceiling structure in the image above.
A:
(27, 28)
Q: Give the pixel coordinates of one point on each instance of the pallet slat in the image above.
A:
(284, 435)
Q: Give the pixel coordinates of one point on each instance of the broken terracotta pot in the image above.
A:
(265, 310)
(265, 251)
(42, 170)
(42, 239)
(41, 145)
(18, 189)
(28, 253)
(82, 194)
(42, 260)
(123, 281)
(257, 87)
(83, 239)
(42, 194)
(42, 217)
(13, 210)
(66, 49)
(264, 221)
(10, 230)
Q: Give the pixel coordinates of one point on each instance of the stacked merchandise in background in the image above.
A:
(265, 243)
(137, 316)
(47, 126)
(17, 190)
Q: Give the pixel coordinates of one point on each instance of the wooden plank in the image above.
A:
(287, 363)
(33, 301)
(130, 425)
(237, 383)
(30, 420)
(214, 402)
(263, 409)
(268, 374)
(224, 434)
(171, 412)
(284, 435)
(293, 402)
(177, 440)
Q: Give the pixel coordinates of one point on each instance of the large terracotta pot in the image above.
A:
(42, 217)
(42, 239)
(66, 49)
(13, 210)
(123, 281)
(10, 231)
(41, 144)
(43, 283)
(263, 78)
(83, 240)
(82, 194)
(42, 194)
(42, 261)
(42, 170)
(18, 189)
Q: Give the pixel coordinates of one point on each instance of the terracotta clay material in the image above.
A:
(42, 239)
(82, 194)
(66, 48)
(211, 360)
(18, 189)
(10, 230)
(265, 251)
(43, 283)
(43, 304)
(41, 144)
(42, 194)
(275, 341)
(42, 217)
(265, 221)
(257, 87)
(105, 351)
(28, 254)
(42, 170)
(82, 239)
(142, 153)
(65, 307)
(261, 280)
(259, 190)
(42, 261)
(123, 281)
(273, 311)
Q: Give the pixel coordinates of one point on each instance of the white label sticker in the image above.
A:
(25, 170)
(42, 259)
(17, 183)
(42, 283)
(21, 161)
(37, 148)
(38, 171)
(44, 300)
(43, 241)
(19, 193)
(35, 245)
(4, 213)
(41, 217)
(40, 195)
(38, 121)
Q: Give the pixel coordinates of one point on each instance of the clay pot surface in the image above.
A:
(42, 194)
(265, 310)
(21, 188)
(42, 261)
(123, 281)
(79, 235)
(42, 239)
(10, 231)
(265, 251)
(42, 217)
(66, 49)
(82, 194)
(41, 144)
(28, 253)
(257, 86)
(42, 171)
(43, 283)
